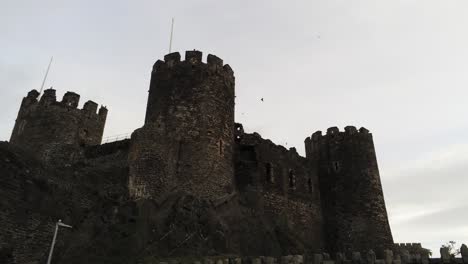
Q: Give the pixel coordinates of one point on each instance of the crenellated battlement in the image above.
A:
(388, 256)
(194, 58)
(212, 80)
(52, 128)
(335, 131)
(319, 143)
(69, 102)
(355, 257)
(412, 248)
(408, 245)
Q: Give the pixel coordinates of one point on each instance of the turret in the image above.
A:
(187, 141)
(57, 131)
(351, 192)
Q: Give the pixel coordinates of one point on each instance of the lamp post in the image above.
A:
(57, 225)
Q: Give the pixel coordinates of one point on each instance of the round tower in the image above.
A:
(186, 143)
(56, 131)
(351, 192)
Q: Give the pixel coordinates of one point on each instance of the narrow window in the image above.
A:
(309, 185)
(220, 147)
(292, 179)
(21, 126)
(336, 166)
(269, 173)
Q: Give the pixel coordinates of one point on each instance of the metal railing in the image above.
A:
(114, 138)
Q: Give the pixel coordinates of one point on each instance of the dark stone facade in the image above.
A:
(189, 182)
(352, 197)
(283, 183)
(57, 131)
(187, 140)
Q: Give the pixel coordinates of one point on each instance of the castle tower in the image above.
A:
(186, 143)
(56, 131)
(351, 192)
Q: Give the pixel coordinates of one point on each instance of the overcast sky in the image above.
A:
(398, 68)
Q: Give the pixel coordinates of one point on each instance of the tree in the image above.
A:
(452, 249)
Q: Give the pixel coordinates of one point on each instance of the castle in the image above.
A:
(195, 180)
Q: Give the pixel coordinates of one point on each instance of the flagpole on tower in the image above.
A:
(45, 76)
(170, 39)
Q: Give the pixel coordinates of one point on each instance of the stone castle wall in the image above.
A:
(33, 198)
(283, 182)
(187, 140)
(356, 257)
(352, 197)
(249, 189)
(57, 131)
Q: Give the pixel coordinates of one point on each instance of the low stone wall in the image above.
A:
(291, 259)
(325, 258)
(96, 151)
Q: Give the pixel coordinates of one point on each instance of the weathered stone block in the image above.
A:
(235, 261)
(380, 261)
(256, 261)
(445, 255)
(370, 257)
(464, 253)
(356, 257)
(298, 259)
(270, 260)
(405, 256)
(318, 259)
(286, 259)
(388, 256)
(339, 258)
(208, 261)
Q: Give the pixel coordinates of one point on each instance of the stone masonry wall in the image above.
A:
(351, 191)
(355, 257)
(34, 197)
(56, 131)
(287, 186)
(187, 140)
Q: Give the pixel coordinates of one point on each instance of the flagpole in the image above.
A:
(170, 39)
(45, 76)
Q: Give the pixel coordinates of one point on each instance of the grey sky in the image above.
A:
(397, 68)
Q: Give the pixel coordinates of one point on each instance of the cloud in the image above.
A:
(397, 68)
(426, 197)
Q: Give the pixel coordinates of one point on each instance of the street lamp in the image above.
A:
(59, 223)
